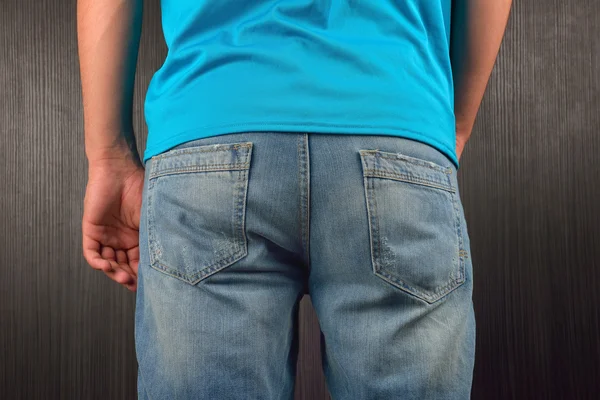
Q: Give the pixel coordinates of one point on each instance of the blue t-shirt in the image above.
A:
(377, 67)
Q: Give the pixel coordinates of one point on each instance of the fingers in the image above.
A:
(122, 277)
(121, 272)
(133, 255)
(114, 264)
(134, 267)
(121, 257)
(124, 263)
(91, 253)
(119, 276)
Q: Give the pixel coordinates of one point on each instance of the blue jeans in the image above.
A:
(236, 228)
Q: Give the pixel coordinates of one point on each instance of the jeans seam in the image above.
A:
(307, 197)
(373, 219)
(237, 252)
(204, 168)
(201, 149)
(304, 224)
(376, 173)
(408, 159)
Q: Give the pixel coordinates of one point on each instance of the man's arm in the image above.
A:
(108, 38)
(477, 30)
(108, 41)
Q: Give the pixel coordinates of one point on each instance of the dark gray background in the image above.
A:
(529, 177)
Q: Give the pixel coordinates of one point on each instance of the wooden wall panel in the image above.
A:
(530, 178)
(530, 187)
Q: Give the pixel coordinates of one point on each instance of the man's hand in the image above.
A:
(108, 39)
(111, 219)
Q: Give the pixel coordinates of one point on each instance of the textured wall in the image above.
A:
(530, 179)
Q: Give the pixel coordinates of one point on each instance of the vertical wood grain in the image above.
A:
(529, 176)
(530, 187)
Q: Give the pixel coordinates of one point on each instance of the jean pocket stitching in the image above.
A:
(457, 277)
(203, 148)
(204, 272)
(205, 168)
(375, 173)
(398, 166)
(239, 245)
(238, 251)
(405, 158)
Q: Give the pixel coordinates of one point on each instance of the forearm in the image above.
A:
(108, 41)
(477, 30)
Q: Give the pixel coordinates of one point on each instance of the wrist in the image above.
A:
(116, 161)
(122, 152)
(109, 145)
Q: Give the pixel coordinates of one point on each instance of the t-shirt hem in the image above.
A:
(196, 133)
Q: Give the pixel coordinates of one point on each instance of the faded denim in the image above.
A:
(236, 228)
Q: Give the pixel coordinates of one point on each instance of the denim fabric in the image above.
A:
(236, 228)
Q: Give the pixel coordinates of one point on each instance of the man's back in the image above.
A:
(335, 66)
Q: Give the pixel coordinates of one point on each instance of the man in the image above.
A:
(293, 147)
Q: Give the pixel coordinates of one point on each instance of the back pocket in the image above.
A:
(196, 209)
(414, 225)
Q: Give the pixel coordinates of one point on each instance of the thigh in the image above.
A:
(217, 299)
(391, 273)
